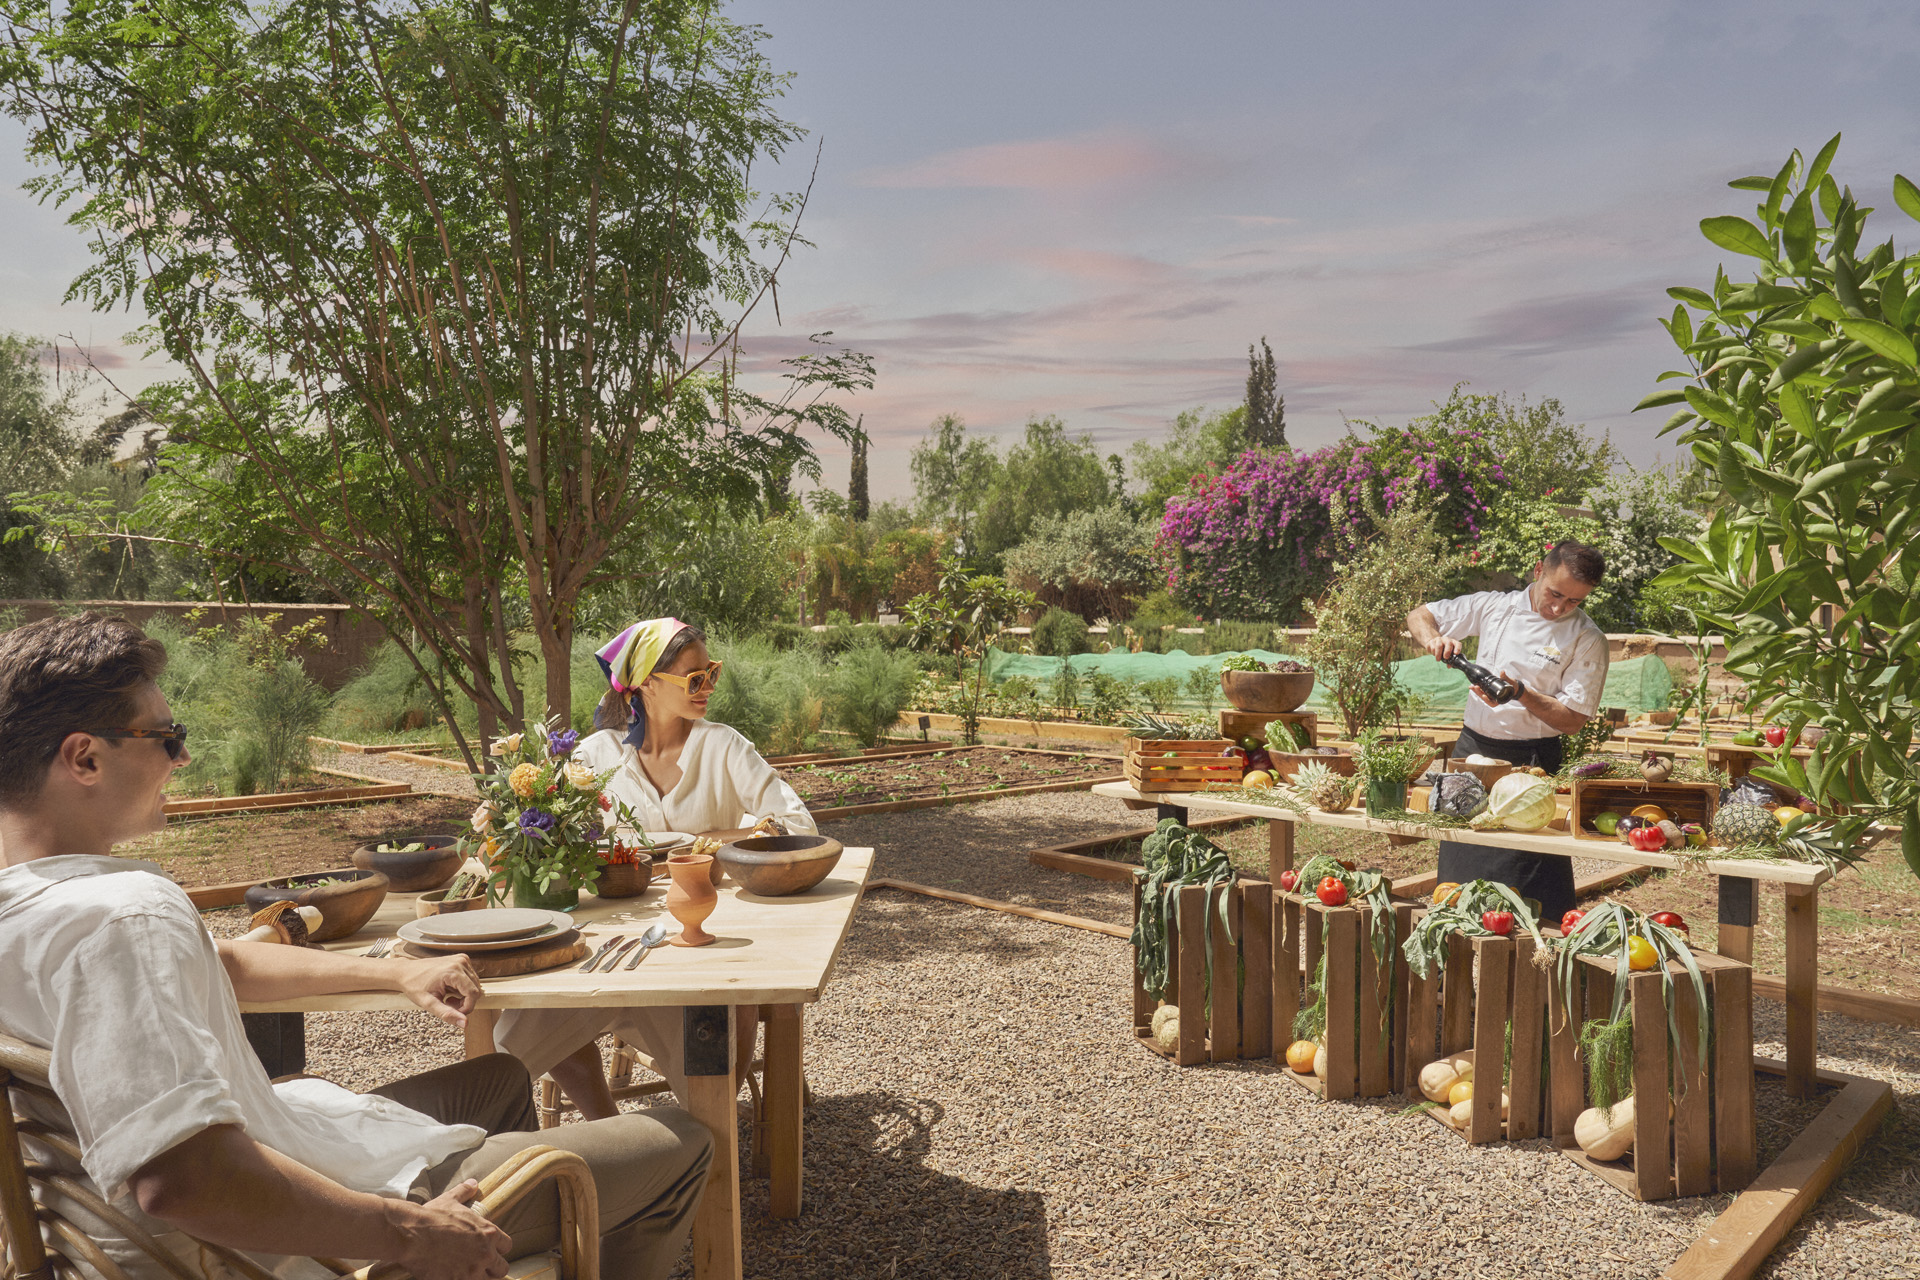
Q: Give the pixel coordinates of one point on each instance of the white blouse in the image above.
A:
(724, 783)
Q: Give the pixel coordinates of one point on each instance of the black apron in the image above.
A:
(1546, 877)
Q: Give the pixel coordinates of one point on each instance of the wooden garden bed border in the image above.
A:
(367, 749)
(1009, 908)
(221, 805)
(961, 797)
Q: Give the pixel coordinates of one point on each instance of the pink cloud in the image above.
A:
(1043, 164)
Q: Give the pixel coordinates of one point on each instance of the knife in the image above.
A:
(600, 955)
(613, 960)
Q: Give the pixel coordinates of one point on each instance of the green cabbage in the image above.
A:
(1518, 802)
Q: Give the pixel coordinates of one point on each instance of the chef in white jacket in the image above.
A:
(676, 771)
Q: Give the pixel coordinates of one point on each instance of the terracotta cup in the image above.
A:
(691, 897)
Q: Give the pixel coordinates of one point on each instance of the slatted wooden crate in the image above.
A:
(1685, 801)
(1366, 1053)
(1179, 764)
(1708, 1144)
(1253, 724)
(1485, 985)
(1233, 1019)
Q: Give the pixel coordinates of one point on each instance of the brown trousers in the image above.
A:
(649, 1166)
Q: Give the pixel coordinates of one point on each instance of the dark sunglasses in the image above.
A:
(173, 738)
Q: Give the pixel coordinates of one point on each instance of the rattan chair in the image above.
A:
(42, 1244)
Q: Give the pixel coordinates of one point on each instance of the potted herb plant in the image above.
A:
(1388, 765)
(542, 819)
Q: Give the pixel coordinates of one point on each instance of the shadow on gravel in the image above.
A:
(871, 1208)
(901, 927)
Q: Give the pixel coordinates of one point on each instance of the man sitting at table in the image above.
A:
(106, 963)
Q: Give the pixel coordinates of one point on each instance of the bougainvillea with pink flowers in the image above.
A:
(1253, 542)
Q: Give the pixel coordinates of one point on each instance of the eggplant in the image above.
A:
(1590, 769)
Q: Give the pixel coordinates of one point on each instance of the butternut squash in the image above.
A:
(1603, 1136)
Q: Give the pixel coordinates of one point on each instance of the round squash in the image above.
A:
(1603, 1136)
(1320, 1061)
(1300, 1056)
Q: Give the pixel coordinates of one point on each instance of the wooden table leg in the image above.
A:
(783, 1084)
(1739, 912)
(1803, 981)
(710, 1095)
(1279, 850)
(479, 1032)
(1162, 811)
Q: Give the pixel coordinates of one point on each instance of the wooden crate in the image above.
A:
(1233, 1020)
(1485, 985)
(1253, 724)
(1366, 1053)
(1686, 801)
(1179, 764)
(1707, 1145)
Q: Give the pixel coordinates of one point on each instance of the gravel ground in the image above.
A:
(424, 777)
(981, 1110)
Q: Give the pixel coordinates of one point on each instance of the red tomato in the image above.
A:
(1571, 920)
(1288, 879)
(1331, 892)
(1500, 922)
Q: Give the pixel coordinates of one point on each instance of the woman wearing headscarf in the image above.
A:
(676, 771)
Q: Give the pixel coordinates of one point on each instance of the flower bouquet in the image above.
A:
(542, 820)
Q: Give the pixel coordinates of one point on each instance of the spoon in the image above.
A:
(648, 941)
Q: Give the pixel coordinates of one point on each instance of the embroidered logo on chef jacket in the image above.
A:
(1548, 653)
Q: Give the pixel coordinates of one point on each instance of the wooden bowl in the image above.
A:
(1287, 763)
(428, 868)
(624, 879)
(775, 866)
(436, 904)
(1267, 692)
(345, 907)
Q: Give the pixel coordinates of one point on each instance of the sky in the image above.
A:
(1092, 209)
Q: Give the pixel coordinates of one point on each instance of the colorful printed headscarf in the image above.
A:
(629, 658)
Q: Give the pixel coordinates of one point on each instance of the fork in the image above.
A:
(379, 949)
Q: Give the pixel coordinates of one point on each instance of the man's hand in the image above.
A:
(1480, 693)
(447, 1239)
(446, 987)
(1425, 630)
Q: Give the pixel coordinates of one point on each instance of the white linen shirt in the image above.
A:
(104, 961)
(1564, 658)
(724, 783)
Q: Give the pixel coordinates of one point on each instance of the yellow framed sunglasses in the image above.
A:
(694, 682)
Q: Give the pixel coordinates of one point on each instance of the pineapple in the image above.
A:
(1321, 787)
(1737, 824)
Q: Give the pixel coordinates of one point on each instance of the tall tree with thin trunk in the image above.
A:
(456, 288)
(1266, 424)
(859, 504)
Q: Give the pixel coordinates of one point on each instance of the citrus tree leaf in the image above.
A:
(1738, 235)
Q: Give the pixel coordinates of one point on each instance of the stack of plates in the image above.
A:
(494, 929)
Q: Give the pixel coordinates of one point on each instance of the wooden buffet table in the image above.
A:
(778, 952)
(1739, 879)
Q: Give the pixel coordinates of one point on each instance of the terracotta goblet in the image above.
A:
(691, 897)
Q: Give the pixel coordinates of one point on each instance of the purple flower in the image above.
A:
(562, 743)
(536, 824)
(593, 833)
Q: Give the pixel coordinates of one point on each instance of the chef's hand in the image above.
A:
(1443, 647)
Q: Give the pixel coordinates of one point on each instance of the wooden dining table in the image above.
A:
(777, 953)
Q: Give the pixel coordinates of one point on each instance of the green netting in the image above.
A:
(1636, 684)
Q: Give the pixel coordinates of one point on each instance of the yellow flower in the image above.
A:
(522, 779)
(505, 746)
(580, 776)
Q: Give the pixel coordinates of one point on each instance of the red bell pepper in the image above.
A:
(1288, 879)
(1776, 735)
(1331, 892)
(1570, 921)
(1647, 839)
(1500, 922)
(1671, 919)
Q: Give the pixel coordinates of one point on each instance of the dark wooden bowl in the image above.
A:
(344, 907)
(624, 879)
(1267, 692)
(775, 866)
(428, 868)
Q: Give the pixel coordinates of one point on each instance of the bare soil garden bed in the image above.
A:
(854, 781)
(265, 845)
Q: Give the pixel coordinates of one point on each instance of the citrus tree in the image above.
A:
(1802, 396)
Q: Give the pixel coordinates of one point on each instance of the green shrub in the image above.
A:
(385, 696)
(1107, 697)
(1066, 688)
(773, 697)
(1161, 693)
(1018, 698)
(250, 703)
(1159, 609)
(1230, 636)
(1060, 634)
(867, 690)
(1203, 686)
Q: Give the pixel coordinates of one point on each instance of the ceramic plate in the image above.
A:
(410, 932)
(492, 923)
